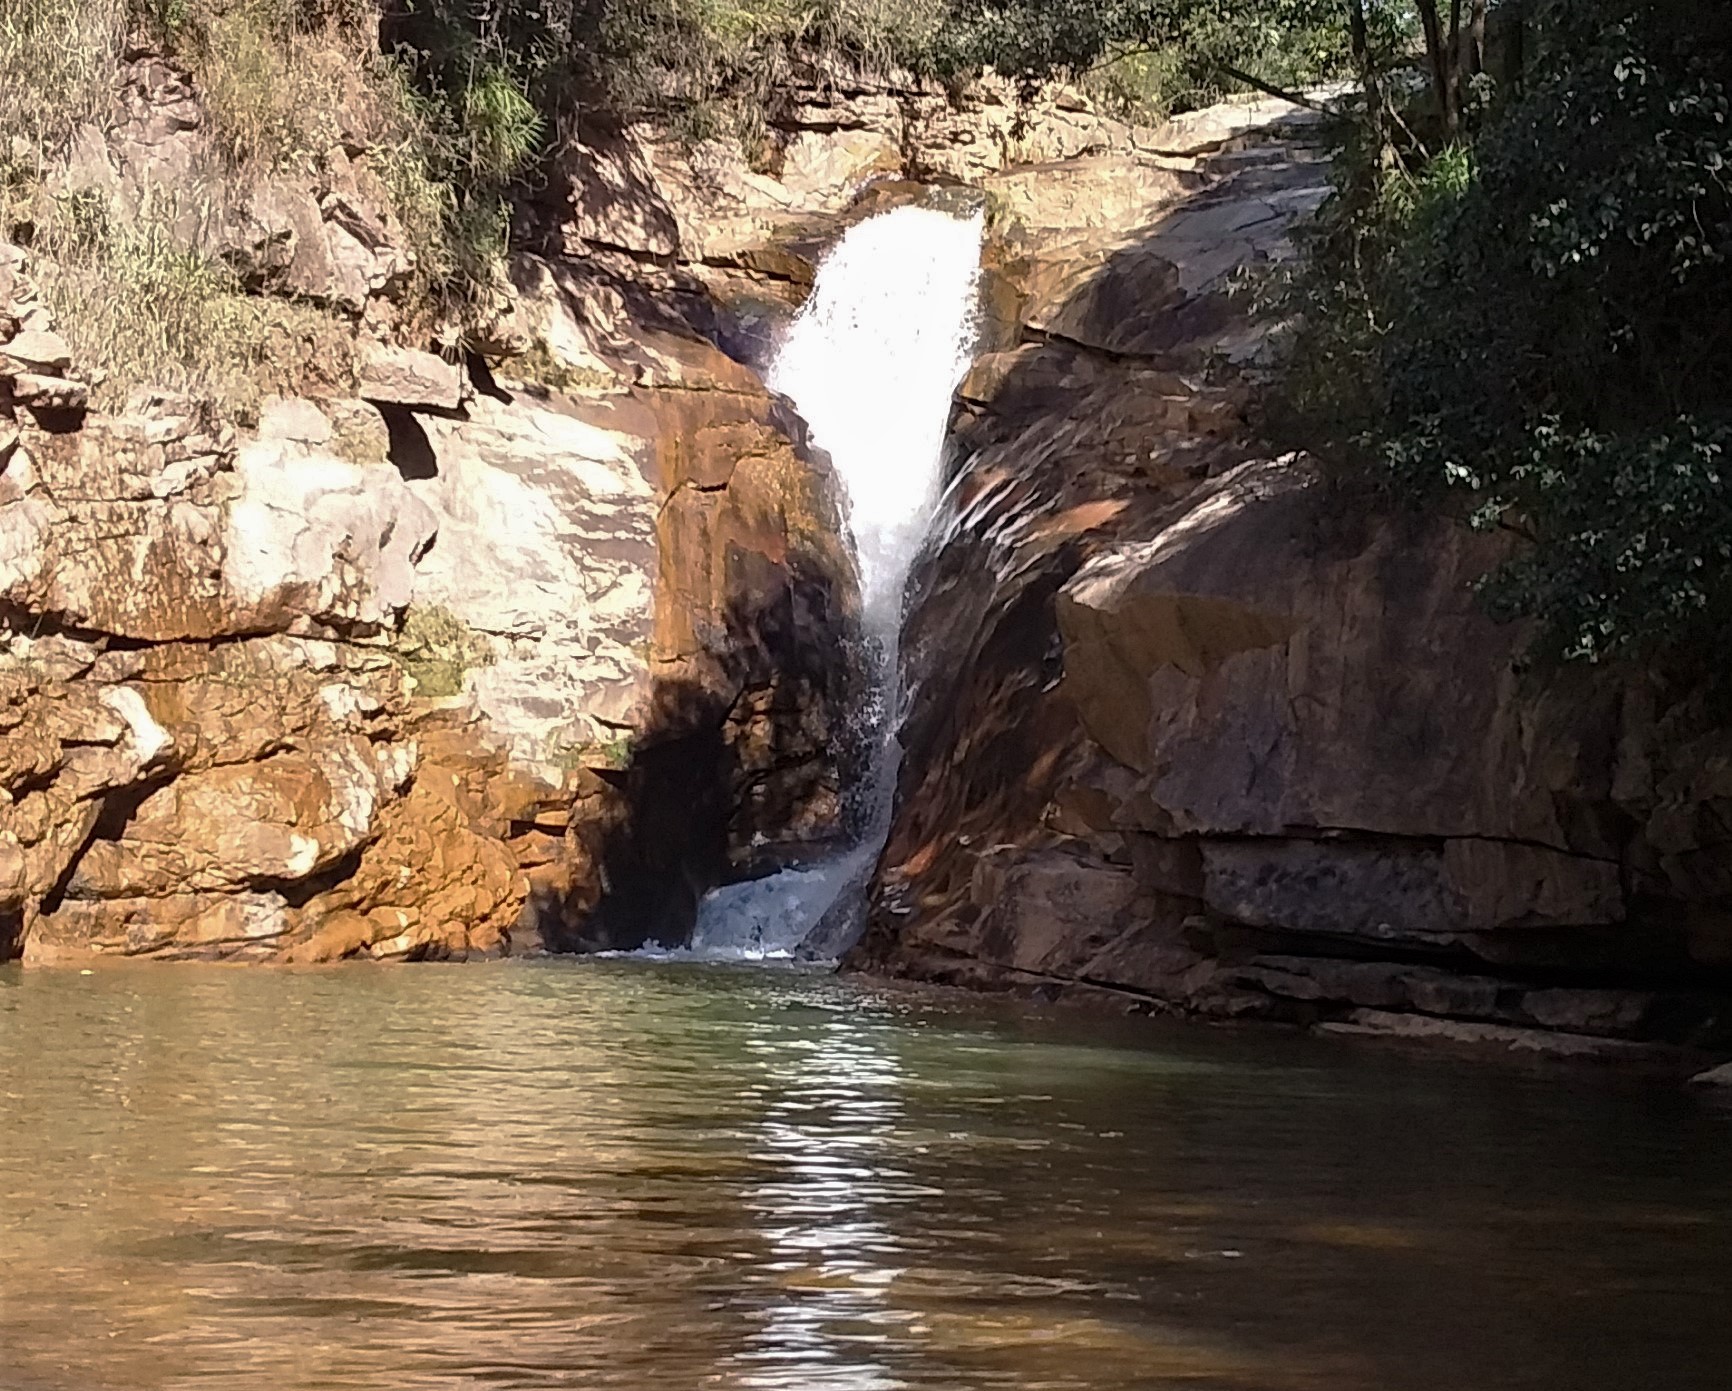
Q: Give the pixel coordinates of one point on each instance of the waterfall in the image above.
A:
(872, 362)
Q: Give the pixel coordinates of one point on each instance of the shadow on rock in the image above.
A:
(728, 777)
(1181, 737)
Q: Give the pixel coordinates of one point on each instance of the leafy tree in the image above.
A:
(1298, 40)
(1532, 328)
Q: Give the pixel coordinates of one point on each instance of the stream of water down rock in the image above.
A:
(872, 362)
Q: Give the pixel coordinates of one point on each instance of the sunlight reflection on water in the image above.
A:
(625, 1175)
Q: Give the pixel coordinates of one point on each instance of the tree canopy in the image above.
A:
(1525, 322)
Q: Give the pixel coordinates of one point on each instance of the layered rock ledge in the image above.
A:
(441, 668)
(465, 647)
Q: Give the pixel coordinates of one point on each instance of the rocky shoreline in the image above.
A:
(1193, 732)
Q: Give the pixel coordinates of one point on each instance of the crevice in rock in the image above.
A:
(11, 935)
(692, 487)
(482, 379)
(297, 893)
(409, 448)
(33, 625)
(66, 420)
(1368, 836)
(119, 807)
(1160, 362)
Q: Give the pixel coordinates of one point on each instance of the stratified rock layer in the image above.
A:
(447, 659)
(1187, 730)
(443, 673)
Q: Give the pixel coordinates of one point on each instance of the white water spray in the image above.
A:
(872, 362)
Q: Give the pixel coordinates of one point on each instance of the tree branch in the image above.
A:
(1270, 89)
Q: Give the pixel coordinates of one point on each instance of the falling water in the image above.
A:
(872, 362)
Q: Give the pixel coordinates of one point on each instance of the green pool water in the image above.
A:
(619, 1174)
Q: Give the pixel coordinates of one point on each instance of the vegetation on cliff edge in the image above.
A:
(1515, 311)
(456, 106)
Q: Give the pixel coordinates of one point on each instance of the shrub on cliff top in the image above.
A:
(1153, 54)
(707, 64)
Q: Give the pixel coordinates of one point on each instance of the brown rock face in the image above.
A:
(841, 145)
(325, 236)
(244, 793)
(528, 669)
(740, 754)
(1185, 732)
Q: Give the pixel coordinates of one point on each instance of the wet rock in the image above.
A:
(341, 934)
(1049, 914)
(1542, 1042)
(1183, 731)
(1616, 1013)
(1391, 891)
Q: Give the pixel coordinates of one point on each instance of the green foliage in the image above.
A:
(569, 753)
(1637, 535)
(719, 67)
(438, 650)
(1165, 52)
(502, 129)
(1532, 331)
(710, 67)
(1291, 44)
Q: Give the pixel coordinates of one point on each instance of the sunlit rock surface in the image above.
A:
(440, 672)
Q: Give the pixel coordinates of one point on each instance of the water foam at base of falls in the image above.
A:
(872, 362)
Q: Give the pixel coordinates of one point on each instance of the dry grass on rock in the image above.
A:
(140, 309)
(57, 63)
(281, 84)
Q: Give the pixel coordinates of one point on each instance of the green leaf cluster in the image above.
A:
(1036, 38)
(1529, 328)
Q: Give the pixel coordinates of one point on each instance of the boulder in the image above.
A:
(294, 420)
(284, 819)
(405, 377)
(37, 352)
(1265, 681)
(47, 393)
(319, 535)
(547, 553)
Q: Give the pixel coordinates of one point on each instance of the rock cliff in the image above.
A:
(1190, 730)
(428, 660)
(445, 647)
(427, 646)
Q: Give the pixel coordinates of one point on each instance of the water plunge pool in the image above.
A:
(633, 1175)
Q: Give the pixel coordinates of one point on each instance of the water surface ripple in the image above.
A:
(613, 1174)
